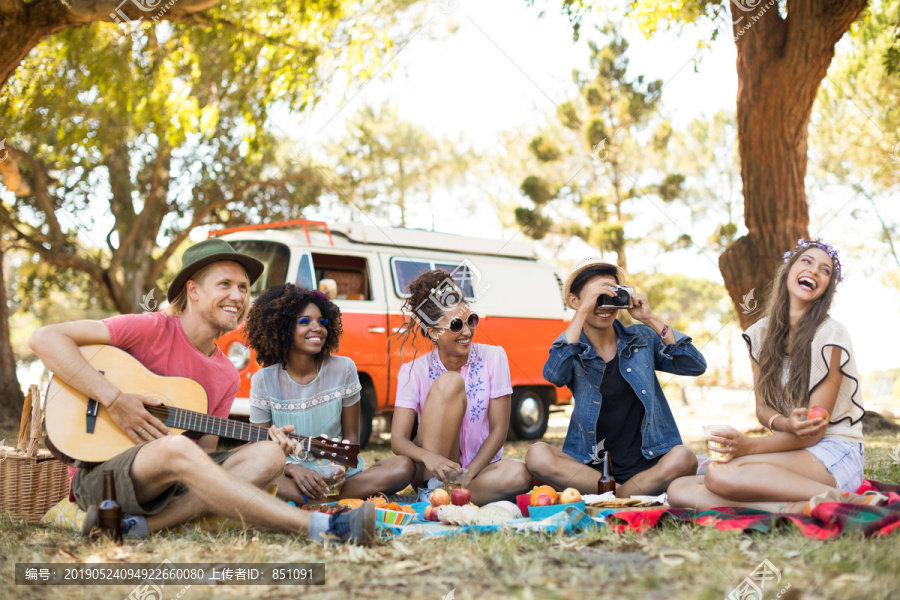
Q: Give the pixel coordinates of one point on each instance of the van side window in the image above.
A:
(305, 273)
(350, 274)
(273, 255)
(406, 270)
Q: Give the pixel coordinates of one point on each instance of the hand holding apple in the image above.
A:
(803, 426)
(817, 412)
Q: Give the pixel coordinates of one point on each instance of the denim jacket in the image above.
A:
(641, 353)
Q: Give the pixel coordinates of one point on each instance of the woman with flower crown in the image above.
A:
(802, 360)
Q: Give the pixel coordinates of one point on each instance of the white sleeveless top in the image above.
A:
(846, 418)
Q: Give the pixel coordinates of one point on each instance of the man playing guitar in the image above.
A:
(165, 479)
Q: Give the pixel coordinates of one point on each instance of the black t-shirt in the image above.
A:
(619, 424)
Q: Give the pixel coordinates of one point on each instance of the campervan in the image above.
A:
(366, 270)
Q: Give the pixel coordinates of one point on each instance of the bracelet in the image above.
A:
(115, 398)
(665, 330)
(772, 420)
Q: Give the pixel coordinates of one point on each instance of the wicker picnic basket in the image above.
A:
(31, 480)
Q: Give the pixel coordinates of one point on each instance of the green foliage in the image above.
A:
(671, 188)
(533, 223)
(653, 15)
(596, 132)
(854, 138)
(171, 128)
(537, 189)
(544, 149)
(619, 112)
(689, 304)
(608, 237)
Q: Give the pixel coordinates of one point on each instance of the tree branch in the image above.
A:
(42, 194)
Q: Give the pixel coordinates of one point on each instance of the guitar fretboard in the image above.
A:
(190, 420)
(182, 418)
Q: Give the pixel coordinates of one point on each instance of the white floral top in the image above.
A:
(486, 375)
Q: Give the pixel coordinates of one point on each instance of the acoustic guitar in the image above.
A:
(81, 427)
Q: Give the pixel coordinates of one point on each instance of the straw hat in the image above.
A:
(587, 263)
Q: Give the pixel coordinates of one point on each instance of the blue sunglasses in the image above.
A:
(306, 321)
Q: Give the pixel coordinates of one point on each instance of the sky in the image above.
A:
(477, 69)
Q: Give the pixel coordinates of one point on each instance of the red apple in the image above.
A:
(816, 412)
(569, 495)
(439, 497)
(460, 496)
(543, 500)
(431, 513)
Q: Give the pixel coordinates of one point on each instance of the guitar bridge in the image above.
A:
(93, 407)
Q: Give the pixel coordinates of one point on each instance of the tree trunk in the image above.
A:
(11, 397)
(780, 64)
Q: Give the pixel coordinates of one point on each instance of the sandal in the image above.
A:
(870, 498)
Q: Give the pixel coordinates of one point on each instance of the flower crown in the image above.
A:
(803, 244)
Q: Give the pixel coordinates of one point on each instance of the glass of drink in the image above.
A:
(455, 481)
(715, 448)
(332, 474)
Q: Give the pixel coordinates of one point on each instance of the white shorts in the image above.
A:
(843, 459)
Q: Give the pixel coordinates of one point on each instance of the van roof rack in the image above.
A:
(304, 223)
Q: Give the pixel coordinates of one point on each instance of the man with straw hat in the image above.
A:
(619, 404)
(166, 480)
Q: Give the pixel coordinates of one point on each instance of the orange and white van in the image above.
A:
(518, 298)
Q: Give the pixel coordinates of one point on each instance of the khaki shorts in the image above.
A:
(88, 484)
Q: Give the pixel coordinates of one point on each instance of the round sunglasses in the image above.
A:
(456, 324)
(306, 321)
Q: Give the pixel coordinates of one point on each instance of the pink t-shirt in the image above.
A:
(486, 375)
(158, 341)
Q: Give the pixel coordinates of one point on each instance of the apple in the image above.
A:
(439, 497)
(460, 496)
(543, 500)
(818, 412)
(431, 513)
(569, 495)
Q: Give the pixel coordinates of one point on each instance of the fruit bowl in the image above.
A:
(536, 513)
(394, 518)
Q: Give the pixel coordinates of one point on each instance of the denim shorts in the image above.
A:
(843, 459)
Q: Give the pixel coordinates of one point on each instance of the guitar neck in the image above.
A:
(190, 420)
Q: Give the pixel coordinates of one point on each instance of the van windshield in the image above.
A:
(406, 270)
(273, 255)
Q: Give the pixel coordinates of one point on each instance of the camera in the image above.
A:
(622, 298)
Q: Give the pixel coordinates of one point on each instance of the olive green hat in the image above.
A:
(207, 252)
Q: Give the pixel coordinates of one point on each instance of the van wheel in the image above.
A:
(529, 415)
(366, 415)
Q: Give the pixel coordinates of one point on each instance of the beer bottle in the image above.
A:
(606, 482)
(109, 511)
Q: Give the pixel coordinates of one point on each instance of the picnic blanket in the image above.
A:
(829, 520)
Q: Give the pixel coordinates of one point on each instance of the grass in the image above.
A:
(673, 562)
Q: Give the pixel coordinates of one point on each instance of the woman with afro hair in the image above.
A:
(302, 384)
(460, 395)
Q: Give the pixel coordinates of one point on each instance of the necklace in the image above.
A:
(296, 379)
